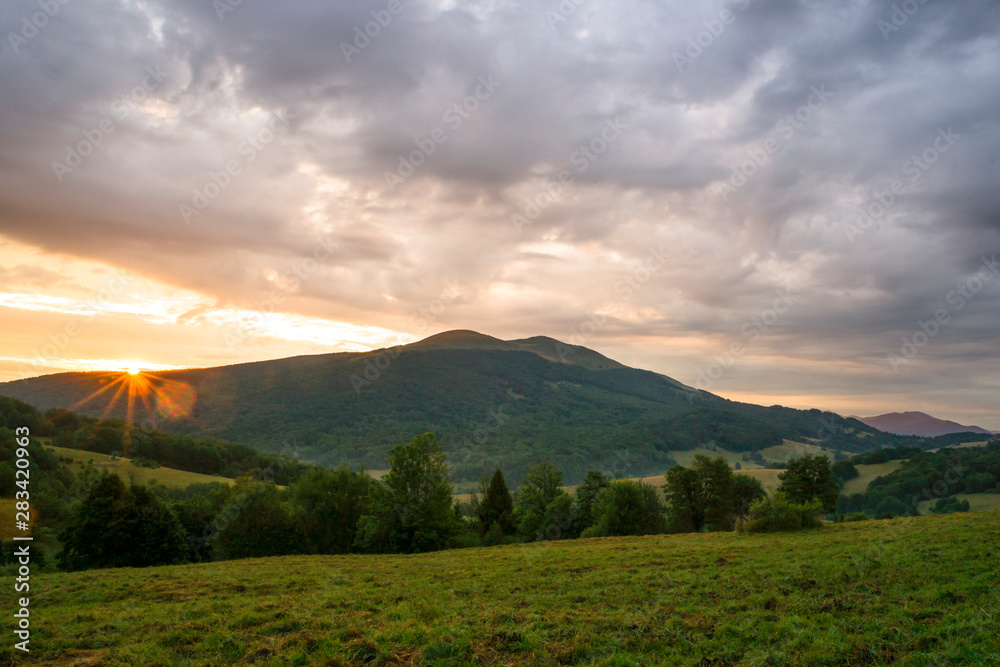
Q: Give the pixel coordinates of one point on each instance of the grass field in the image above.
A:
(790, 449)
(917, 591)
(980, 443)
(131, 473)
(867, 474)
(978, 502)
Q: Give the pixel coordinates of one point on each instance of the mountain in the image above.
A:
(490, 402)
(918, 423)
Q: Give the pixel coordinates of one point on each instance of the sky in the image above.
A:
(781, 202)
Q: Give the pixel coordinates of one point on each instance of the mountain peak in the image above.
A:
(461, 339)
(544, 346)
(917, 423)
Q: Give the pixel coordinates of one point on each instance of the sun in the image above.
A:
(133, 371)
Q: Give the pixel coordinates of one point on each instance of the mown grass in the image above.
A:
(917, 591)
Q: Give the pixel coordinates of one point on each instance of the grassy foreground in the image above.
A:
(917, 591)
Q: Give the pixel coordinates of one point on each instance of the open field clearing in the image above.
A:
(978, 502)
(867, 474)
(790, 449)
(131, 473)
(913, 591)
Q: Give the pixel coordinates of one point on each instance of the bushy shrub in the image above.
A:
(950, 505)
(890, 508)
(855, 516)
(628, 508)
(777, 514)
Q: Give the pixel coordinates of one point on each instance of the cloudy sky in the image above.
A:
(765, 199)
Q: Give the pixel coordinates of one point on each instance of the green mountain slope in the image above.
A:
(491, 403)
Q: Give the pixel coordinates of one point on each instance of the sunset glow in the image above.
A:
(668, 231)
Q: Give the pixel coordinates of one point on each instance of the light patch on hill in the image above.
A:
(131, 473)
(869, 473)
(978, 502)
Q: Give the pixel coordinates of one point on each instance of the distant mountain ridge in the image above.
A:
(492, 403)
(919, 424)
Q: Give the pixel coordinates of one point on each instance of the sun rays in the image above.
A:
(160, 397)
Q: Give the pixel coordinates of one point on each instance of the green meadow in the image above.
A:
(913, 591)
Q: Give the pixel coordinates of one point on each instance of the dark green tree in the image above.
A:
(148, 532)
(87, 540)
(118, 527)
(411, 510)
(628, 508)
(808, 478)
(746, 491)
(700, 497)
(535, 520)
(586, 496)
(842, 471)
(889, 508)
(496, 507)
(326, 506)
(254, 524)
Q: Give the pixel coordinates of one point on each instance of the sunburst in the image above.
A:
(172, 399)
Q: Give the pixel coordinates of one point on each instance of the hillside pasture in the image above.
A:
(914, 591)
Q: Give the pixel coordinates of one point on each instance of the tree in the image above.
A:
(842, 471)
(87, 540)
(541, 487)
(806, 479)
(586, 495)
(326, 505)
(889, 508)
(152, 532)
(746, 491)
(769, 515)
(496, 507)
(254, 524)
(118, 527)
(700, 497)
(628, 508)
(410, 511)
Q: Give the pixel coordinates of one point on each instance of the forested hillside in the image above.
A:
(491, 403)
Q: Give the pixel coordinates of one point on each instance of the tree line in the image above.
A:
(412, 509)
(938, 476)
